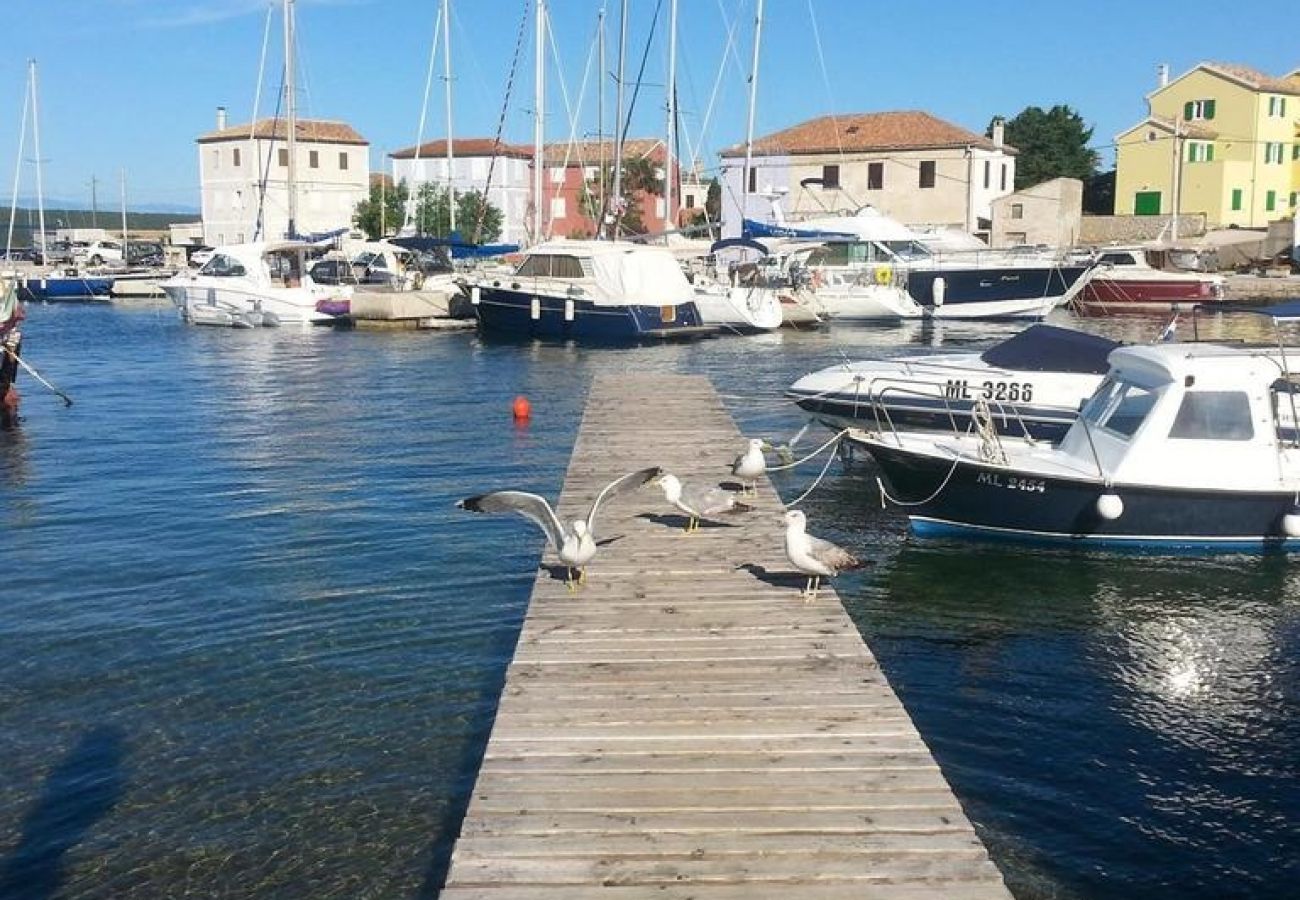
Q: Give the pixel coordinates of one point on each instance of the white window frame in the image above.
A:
(558, 207)
(1198, 109)
(557, 174)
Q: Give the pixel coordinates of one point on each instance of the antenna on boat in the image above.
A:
(670, 220)
(126, 255)
(616, 190)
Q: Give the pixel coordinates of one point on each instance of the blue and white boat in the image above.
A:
(68, 283)
(597, 291)
(1182, 446)
(941, 281)
(1032, 384)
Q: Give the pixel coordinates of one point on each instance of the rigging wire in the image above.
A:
(501, 123)
(409, 212)
(573, 113)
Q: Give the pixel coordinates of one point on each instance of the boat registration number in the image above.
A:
(1012, 482)
(1013, 391)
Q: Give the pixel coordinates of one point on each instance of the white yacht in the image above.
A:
(247, 285)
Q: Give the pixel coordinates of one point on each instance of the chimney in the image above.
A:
(221, 118)
(1162, 75)
(999, 128)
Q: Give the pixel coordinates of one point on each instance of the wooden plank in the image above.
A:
(682, 727)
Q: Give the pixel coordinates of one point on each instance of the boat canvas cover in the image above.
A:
(641, 275)
(1047, 348)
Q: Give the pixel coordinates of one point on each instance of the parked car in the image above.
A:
(149, 255)
(97, 253)
(198, 256)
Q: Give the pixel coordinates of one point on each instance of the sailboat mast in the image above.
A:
(617, 189)
(539, 132)
(291, 119)
(600, 111)
(36, 142)
(126, 256)
(446, 77)
(753, 101)
(669, 180)
(18, 174)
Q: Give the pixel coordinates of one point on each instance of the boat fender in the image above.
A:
(1110, 507)
(940, 289)
(884, 275)
(535, 309)
(1291, 522)
(568, 309)
(475, 295)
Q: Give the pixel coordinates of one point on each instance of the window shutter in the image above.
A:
(1209, 109)
(1236, 199)
(1270, 200)
(1187, 110)
(1209, 153)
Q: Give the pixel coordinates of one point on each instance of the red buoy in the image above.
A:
(523, 410)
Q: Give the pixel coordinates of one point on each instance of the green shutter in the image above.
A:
(1209, 109)
(1187, 110)
(1146, 203)
(1270, 201)
(1236, 199)
(1282, 107)
(1295, 151)
(1209, 153)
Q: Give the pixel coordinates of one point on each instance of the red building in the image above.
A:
(570, 168)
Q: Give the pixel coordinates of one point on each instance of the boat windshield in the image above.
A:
(1119, 407)
(551, 265)
(908, 250)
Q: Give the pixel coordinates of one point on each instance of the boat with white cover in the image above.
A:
(1033, 383)
(1181, 446)
(598, 291)
(247, 285)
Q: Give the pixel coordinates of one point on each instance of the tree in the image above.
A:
(713, 201)
(1099, 194)
(433, 214)
(384, 210)
(640, 178)
(1052, 143)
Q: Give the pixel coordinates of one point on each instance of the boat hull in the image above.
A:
(516, 312)
(969, 499)
(1147, 294)
(64, 288)
(946, 415)
(996, 292)
(196, 299)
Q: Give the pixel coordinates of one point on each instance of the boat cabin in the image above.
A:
(1209, 415)
(606, 273)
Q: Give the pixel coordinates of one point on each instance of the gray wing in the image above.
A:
(532, 507)
(832, 555)
(710, 501)
(735, 466)
(629, 482)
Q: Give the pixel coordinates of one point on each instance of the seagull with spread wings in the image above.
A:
(576, 545)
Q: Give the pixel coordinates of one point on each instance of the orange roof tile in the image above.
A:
(1253, 78)
(476, 146)
(309, 130)
(858, 132)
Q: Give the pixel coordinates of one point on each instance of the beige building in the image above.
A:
(1049, 213)
(243, 170)
(909, 165)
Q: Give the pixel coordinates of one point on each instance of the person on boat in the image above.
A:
(11, 340)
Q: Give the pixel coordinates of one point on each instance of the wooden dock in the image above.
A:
(685, 726)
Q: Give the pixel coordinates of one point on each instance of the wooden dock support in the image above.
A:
(685, 726)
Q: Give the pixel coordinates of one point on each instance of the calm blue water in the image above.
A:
(250, 649)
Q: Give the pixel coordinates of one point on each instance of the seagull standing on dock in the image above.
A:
(750, 465)
(700, 503)
(575, 546)
(813, 556)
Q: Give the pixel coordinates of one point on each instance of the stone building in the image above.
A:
(1048, 213)
(471, 163)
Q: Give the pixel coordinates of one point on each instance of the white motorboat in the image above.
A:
(1181, 446)
(1032, 383)
(739, 308)
(1126, 280)
(254, 284)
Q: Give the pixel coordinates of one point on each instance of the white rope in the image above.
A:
(884, 494)
(798, 462)
(829, 459)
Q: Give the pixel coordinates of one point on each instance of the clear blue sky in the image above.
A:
(129, 84)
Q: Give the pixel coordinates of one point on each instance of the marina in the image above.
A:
(318, 723)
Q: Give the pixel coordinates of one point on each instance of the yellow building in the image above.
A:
(1223, 140)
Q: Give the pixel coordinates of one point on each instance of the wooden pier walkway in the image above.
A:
(685, 726)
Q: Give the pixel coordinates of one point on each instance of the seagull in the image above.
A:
(813, 556)
(576, 546)
(699, 503)
(751, 465)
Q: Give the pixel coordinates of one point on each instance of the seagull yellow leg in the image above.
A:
(582, 575)
(568, 579)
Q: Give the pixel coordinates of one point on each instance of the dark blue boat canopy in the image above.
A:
(1282, 312)
(1047, 348)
